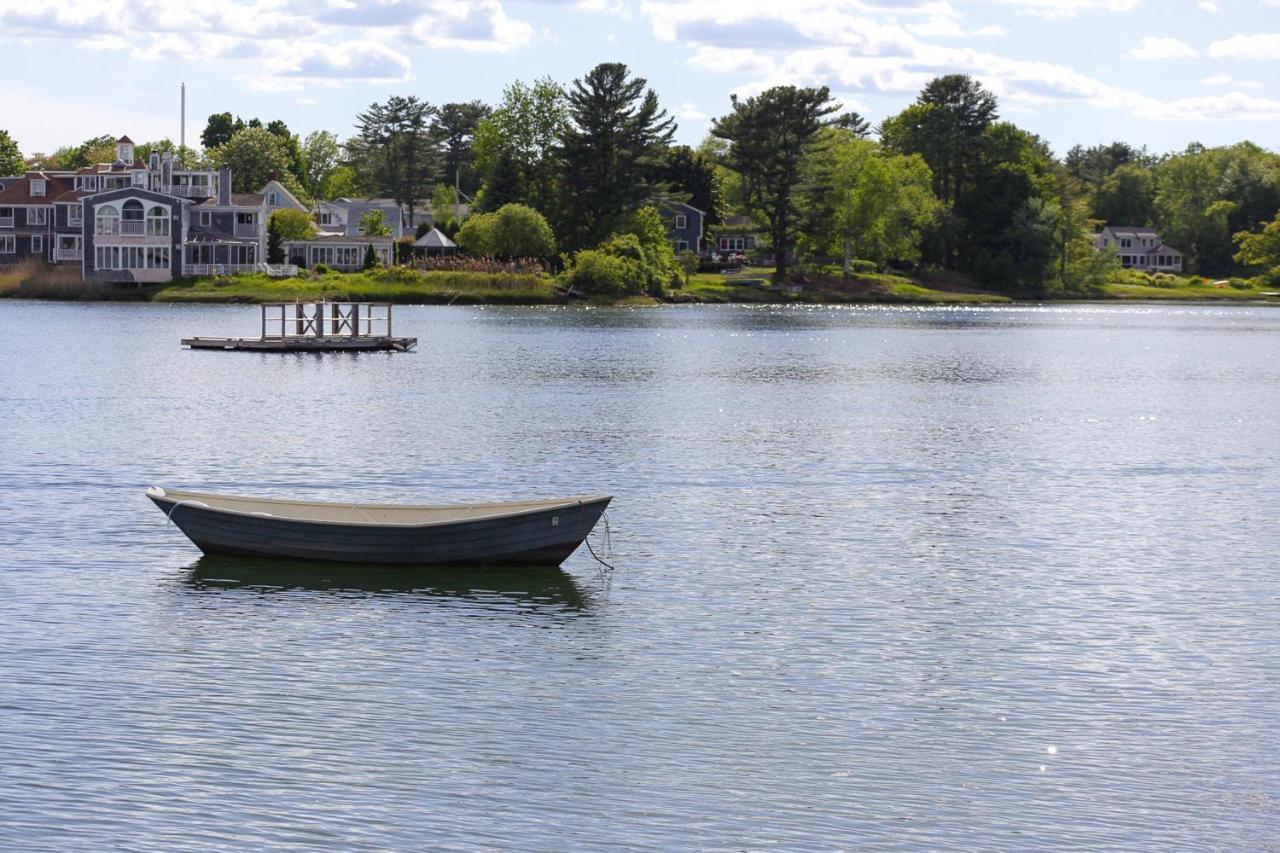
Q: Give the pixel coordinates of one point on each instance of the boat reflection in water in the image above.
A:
(524, 587)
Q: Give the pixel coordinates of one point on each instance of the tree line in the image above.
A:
(944, 184)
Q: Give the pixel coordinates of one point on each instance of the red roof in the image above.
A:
(124, 139)
(19, 192)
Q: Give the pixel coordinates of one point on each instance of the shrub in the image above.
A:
(520, 231)
(862, 267)
(597, 271)
(322, 269)
(475, 237)
(293, 224)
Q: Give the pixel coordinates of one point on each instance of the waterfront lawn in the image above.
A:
(398, 285)
(753, 285)
(1187, 288)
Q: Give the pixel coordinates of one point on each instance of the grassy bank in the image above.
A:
(405, 286)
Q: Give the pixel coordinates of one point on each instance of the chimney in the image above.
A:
(166, 171)
(154, 161)
(224, 185)
(271, 176)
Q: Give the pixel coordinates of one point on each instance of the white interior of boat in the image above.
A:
(360, 513)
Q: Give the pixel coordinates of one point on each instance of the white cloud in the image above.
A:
(1209, 6)
(1071, 8)
(689, 111)
(286, 40)
(1230, 106)
(1228, 80)
(1157, 47)
(1259, 46)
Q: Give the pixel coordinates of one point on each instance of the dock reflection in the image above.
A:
(525, 586)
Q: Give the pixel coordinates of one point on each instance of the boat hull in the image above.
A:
(545, 537)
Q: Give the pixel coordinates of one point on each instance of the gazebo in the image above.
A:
(434, 242)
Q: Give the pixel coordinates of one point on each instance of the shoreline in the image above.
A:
(400, 287)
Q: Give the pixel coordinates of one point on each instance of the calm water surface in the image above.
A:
(993, 578)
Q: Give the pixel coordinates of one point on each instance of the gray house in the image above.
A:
(342, 216)
(1139, 248)
(684, 226)
(131, 221)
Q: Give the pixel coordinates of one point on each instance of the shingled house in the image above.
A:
(1139, 248)
(132, 221)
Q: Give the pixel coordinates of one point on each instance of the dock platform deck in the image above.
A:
(317, 327)
(345, 343)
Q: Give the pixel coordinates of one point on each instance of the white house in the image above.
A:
(1139, 248)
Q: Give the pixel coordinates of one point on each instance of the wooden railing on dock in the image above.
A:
(283, 320)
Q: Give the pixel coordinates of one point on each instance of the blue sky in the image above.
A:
(1160, 74)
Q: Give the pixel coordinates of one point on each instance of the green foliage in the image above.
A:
(769, 136)
(642, 260)
(396, 152)
(319, 152)
(1262, 248)
(339, 183)
(513, 231)
(275, 242)
(443, 201)
(1126, 196)
(504, 183)
(370, 258)
(11, 162)
(456, 126)
(255, 155)
(292, 224)
(475, 237)
(689, 262)
(609, 150)
(598, 271)
(520, 231)
(864, 202)
(374, 224)
(219, 130)
(691, 175)
(525, 128)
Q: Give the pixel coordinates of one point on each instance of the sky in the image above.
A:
(1159, 73)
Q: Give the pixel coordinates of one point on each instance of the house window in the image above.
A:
(132, 220)
(6, 217)
(206, 219)
(682, 221)
(682, 246)
(271, 199)
(1126, 243)
(68, 248)
(75, 215)
(37, 244)
(326, 219)
(108, 222)
(37, 187)
(8, 244)
(157, 222)
(37, 216)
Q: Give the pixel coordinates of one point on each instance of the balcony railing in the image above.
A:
(248, 229)
(68, 255)
(6, 221)
(132, 228)
(191, 191)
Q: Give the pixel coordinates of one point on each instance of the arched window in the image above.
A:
(131, 221)
(157, 222)
(108, 220)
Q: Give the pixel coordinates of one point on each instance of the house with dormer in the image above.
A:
(1139, 248)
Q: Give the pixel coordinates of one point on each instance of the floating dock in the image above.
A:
(317, 327)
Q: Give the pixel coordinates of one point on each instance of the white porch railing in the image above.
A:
(68, 255)
(248, 229)
(274, 270)
(132, 228)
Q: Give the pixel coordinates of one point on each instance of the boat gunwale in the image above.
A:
(192, 499)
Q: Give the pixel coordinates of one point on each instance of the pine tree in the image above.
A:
(615, 136)
(769, 136)
(504, 184)
(370, 258)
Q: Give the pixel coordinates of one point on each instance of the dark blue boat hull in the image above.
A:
(541, 538)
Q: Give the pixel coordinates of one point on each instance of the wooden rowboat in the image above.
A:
(526, 533)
